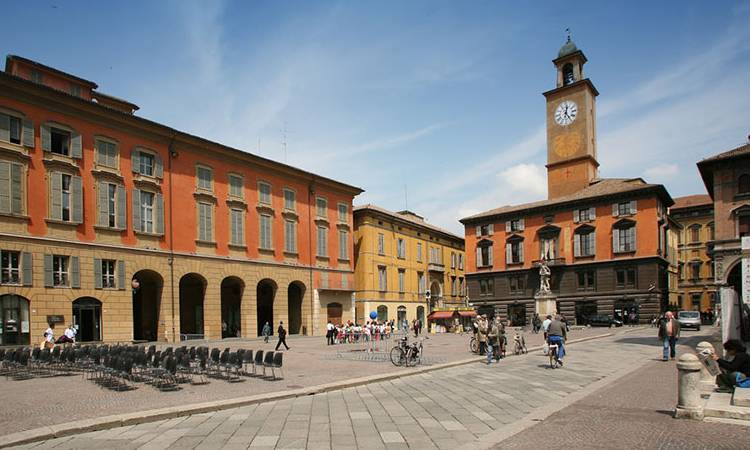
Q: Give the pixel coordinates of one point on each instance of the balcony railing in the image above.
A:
(550, 262)
(435, 267)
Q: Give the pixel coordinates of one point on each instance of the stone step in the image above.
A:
(741, 397)
(720, 405)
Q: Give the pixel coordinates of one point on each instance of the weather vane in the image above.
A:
(567, 30)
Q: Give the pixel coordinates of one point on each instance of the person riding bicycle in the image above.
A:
(556, 335)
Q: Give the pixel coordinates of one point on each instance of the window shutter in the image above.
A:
(16, 193)
(121, 220)
(479, 257)
(97, 273)
(507, 226)
(103, 206)
(489, 255)
(201, 222)
(5, 187)
(577, 245)
(4, 127)
(633, 206)
(46, 137)
(479, 231)
(576, 216)
(48, 271)
(121, 275)
(76, 148)
(508, 253)
(75, 272)
(135, 160)
(592, 241)
(520, 252)
(28, 268)
(521, 224)
(28, 133)
(635, 242)
(492, 229)
(592, 213)
(209, 224)
(76, 191)
(56, 193)
(159, 212)
(158, 166)
(137, 210)
(615, 240)
(614, 210)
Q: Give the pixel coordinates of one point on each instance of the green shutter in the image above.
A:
(16, 189)
(76, 146)
(577, 244)
(121, 222)
(56, 196)
(28, 133)
(48, 281)
(103, 206)
(159, 213)
(76, 192)
(27, 268)
(4, 127)
(136, 210)
(201, 222)
(209, 223)
(5, 187)
(97, 273)
(46, 137)
(158, 167)
(75, 272)
(121, 275)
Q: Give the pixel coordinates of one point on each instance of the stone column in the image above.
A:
(315, 313)
(707, 380)
(689, 402)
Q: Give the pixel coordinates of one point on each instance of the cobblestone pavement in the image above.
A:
(48, 401)
(440, 409)
(633, 413)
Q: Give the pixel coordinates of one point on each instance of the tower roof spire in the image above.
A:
(569, 46)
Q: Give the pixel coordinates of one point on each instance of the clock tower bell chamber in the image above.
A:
(571, 126)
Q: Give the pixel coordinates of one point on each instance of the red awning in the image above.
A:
(467, 313)
(437, 315)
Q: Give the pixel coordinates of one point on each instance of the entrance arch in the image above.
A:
(266, 292)
(192, 291)
(87, 316)
(231, 299)
(14, 313)
(436, 293)
(401, 312)
(146, 304)
(295, 293)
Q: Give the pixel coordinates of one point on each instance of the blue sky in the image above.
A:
(441, 97)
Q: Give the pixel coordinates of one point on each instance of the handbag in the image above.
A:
(545, 349)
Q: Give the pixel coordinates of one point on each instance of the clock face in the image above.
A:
(566, 113)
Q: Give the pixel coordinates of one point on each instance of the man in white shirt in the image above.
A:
(330, 332)
(545, 324)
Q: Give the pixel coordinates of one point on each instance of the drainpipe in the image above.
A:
(310, 199)
(171, 154)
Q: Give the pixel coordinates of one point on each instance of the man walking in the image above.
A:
(482, 334)
(266, 332)
(282, 336)
(669, 332)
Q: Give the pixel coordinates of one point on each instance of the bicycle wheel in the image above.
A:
(517, 349)
(412, 357)
(552, 356)
(474, 345)
(397, 356)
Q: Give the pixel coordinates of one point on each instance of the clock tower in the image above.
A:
(571, 126)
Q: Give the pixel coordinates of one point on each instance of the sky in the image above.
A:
(427, 105)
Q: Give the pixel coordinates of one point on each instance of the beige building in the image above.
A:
(405, 268)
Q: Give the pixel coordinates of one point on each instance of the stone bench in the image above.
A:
(741, 397)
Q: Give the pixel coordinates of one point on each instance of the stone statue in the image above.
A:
(544, 276)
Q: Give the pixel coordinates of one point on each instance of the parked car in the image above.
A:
(602, 320)
(689, 319)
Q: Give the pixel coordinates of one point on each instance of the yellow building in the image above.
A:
(674, 231)
(696, 269)
(405, 268)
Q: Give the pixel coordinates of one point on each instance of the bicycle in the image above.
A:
(414, 354)
(553, 361)
(399, 353)
(474, 345)
(519, 344)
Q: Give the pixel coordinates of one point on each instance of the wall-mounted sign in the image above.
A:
(56, 319)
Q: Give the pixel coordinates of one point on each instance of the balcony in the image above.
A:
(550, 262)
(435, 267)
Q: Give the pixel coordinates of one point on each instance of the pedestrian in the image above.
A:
(266, 332)
(493, 339)
(669, 332)
(545, 325)
(329, 332)
(536, 323)
(482, 334)
(282, 336)
(49, 336)
(736, 369)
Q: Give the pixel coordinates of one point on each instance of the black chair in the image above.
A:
(277, 363)
(247, 360)
(258, 362)
(267, 362)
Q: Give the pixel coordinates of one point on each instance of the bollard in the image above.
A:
(689, 402)
(707, 380)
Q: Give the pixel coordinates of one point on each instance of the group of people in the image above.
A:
(351, 332)
(537, 324)
(68, 336)
(490, 335)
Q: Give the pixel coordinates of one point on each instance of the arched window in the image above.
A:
(695, 233)
(743, 184)
(710, 231)
(568, 76)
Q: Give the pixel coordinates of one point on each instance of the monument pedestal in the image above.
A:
(546, 304)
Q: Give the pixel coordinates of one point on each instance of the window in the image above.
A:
(11, 188)
(680, 271)
(236, 184)
(401, 281)
(419, 252)
(322, 241)
(711, 273)
(147, 212)
(10, 272)
(710, 231)
(321, 207)
(264, 193)
(59, 270)
(583, 215)
(421, 285)
(460, 261)
(586, 280)
(436, 256)
(60, 141)
(486, 287)
(108, 273)
(111, 205)
(548, 247)
(343, 213)
(624, 208)
(514, 252)
(461, 287)
(695, 233)
(454, 287)
(205, 178)
(66, 197)
(343, 244)
(625, 278)
(205, 222)
(517, 285)
(743, 184)
(382, 279)
(453, 260)
(584, 242)
(106, 154)
(290, 236)
(36, 76)
(381, 244)
(484, 255)
(237, 235)
(568, 76)
(624, 239)
(290, 200)
(514, 225)
(695, 270)
(14, 128)
(265, 232)
(75, 90)
(484, 230)
(146, 164)
(695, 300)
(401, 248)
(744, 225)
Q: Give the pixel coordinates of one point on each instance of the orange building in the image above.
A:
(134, 230)
(604, 239)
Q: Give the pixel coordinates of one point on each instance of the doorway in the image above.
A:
(401, 311)
(231, 299)
(147, 287)
(295, 292)
(266, 292)
(517, 315)
(584, 310)
(14, 311)
(192, 290)
(334, 312)
(87, 316)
